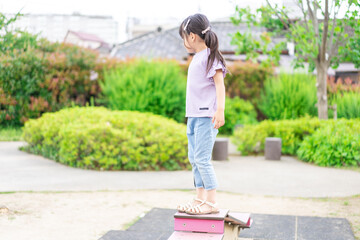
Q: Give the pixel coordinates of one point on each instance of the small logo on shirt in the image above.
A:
(204, 108)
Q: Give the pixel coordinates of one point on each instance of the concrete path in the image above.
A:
(20, 171)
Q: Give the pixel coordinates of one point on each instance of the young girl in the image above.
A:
(205, 105)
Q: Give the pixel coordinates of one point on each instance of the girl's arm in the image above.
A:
(219, 118)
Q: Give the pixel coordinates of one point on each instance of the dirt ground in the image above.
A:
(89, 215)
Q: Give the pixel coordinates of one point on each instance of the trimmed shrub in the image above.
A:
(251, 138)
(289, 96)
(98, 138)
(237, 112)
(335, 144)
(147, 86)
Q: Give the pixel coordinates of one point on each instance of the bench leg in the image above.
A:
(231, 232)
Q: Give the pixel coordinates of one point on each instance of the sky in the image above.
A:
(157, 11)
(122, 9)
(153, 12)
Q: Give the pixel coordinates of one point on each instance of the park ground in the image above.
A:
(89, 215)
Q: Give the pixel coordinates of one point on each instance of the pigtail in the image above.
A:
(212, 42)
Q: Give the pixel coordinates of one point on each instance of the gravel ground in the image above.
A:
(89, 215)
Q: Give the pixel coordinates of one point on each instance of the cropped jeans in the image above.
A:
(201, 138)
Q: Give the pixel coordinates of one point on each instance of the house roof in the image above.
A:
(87, 36)
(168, 44)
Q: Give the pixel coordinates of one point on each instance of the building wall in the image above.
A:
(55, 26)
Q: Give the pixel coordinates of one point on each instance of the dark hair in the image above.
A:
(197, 23)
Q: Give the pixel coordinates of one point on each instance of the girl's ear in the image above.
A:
(192, 36)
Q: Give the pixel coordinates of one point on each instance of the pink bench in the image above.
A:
(224, 225)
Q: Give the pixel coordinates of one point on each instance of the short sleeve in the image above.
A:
(216, 65)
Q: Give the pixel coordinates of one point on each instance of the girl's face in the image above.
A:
(189, 42)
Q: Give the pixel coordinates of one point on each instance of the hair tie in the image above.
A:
(207, 29)
(186, 24)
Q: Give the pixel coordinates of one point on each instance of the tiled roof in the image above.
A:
(168, 44)
(154, 44)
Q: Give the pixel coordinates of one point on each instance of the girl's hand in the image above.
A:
(219, 119)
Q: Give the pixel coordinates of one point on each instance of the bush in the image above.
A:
(341, 85)
(21, 96)
(251, 138)
(237, 112)
(147, 86)
(335, 144)
(45, 78)
(97, 138)
(245, 80)
(289, 96)
(348, 104)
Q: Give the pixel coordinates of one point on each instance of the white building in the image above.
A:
(87, 40)
(54, 27)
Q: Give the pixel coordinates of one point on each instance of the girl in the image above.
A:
(205, 105)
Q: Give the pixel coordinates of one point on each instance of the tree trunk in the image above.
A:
(322, 103)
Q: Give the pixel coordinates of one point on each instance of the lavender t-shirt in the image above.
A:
(200, 88)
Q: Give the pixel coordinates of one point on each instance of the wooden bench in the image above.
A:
(224, 225)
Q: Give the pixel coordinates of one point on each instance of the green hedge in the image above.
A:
(21, 94)
(97, 138)
(335, 144)
(45, 78)
(146, 86)
(237, 112)
(251, 137)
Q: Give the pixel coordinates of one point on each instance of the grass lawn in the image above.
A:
(352, 168)
(10, 134)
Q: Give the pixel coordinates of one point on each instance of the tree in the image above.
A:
(327, 33)
(11, 39)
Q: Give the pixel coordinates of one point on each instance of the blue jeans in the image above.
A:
(201, 138)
